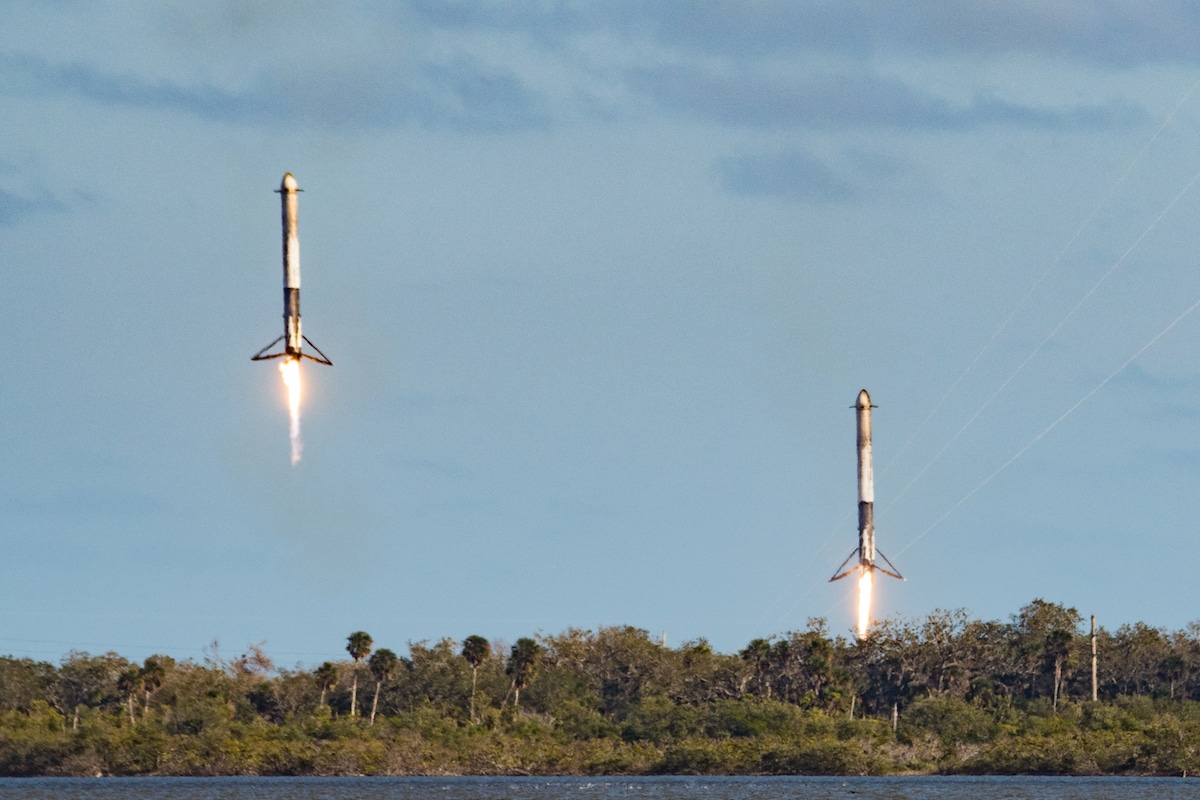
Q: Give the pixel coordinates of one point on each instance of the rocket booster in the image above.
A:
(866, 500)
(293, 338)
(289, 197)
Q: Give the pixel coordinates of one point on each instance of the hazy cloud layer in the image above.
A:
(846, 99)
(792, 176)
(14, 206)
(115, 502)
(799, 176)
(458, 94)
(1119, 33)
(497, 66)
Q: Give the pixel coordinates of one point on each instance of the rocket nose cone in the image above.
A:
(288, 184)
(864, 399)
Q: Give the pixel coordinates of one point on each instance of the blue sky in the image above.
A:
(601, 282)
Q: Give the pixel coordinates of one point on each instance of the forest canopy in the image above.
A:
(942, 694)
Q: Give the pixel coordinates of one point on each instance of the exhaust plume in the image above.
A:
(290, 370)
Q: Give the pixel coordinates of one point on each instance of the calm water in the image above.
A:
(599, 788)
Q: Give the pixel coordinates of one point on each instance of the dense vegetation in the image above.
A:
(943, 694)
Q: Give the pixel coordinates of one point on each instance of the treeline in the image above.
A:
(944, 694)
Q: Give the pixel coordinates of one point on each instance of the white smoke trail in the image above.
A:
(290, 370)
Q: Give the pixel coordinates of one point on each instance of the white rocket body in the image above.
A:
(866, 483)
(293, 337)
(865, 552)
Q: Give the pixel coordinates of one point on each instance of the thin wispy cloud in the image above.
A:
(791, 175)
(846, 99)
(88, 502)
(813, 65)
(751, 65)
(457, 94)
(1136, 376)
(800, 176)
(1119, 33)
(14, 207)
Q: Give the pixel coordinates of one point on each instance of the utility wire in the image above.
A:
(1087, 221)
(1054, 424)
(1046, 340)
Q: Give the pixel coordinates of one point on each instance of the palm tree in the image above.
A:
(522, 665)
(358, 645)
(383, 663)
(758, 653)
(130, 683)
(153, 672)
(1058, 649)
(326, 677)
(1174, 670)
(475, 649)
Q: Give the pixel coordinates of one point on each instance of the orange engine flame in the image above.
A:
(864, 603)
(290, 370)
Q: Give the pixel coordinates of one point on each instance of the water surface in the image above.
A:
(662, 788)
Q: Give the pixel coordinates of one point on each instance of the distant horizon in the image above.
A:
(227, 650)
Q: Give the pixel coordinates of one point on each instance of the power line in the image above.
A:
(1054, 424)
(1087, 221)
